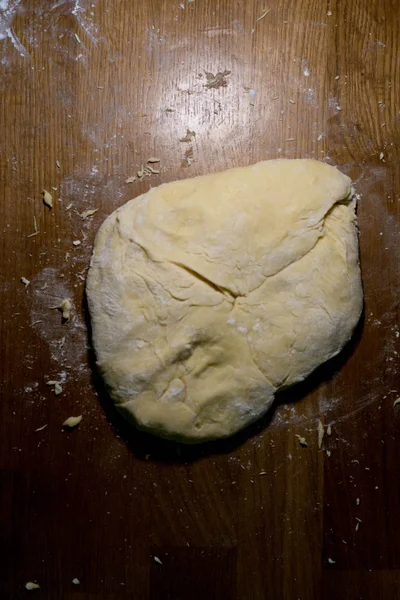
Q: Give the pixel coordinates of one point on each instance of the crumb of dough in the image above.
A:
(32, 586)
(263, 15)
(76, 581)
(88, 213)
(396, 402)
(381, 156)
(302, 440)
(47, 199)
(140, 172)
(331, 561)
(131, 179)
(321, 433)
(358, 501)
(57, 387)
(76, 243)
(41, 428)
(153, 159)
(329, 430)
(72, 421)
(65, 307)
(157, 560)
(328, 453)
(25, 281)
(329, 13)
(69, 206)
(58, 164)
(35, 229)
(188, 137)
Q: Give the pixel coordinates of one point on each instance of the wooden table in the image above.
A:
(91, 90)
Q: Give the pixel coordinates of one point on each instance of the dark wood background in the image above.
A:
(100, 87)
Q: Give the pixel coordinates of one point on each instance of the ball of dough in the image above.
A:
(209, 295)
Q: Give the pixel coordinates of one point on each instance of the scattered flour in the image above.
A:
(67, 342)
(8, 11)
(84, 21)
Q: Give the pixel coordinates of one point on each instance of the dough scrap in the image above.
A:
(209, 295)
(72, 422)
(32, 586)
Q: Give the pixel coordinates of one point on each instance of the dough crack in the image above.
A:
(217, 288)
(144, 250)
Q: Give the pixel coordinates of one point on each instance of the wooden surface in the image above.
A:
(100, 87)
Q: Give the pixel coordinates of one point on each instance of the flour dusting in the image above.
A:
(8, 11)
(68, 341)
(84, 21)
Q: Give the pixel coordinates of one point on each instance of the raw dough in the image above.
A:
(210, 294)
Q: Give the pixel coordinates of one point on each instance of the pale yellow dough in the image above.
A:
(209, 295)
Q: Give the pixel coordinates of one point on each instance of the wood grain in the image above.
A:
(90, 90)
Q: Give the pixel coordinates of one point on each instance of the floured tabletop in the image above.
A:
(100, 102)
